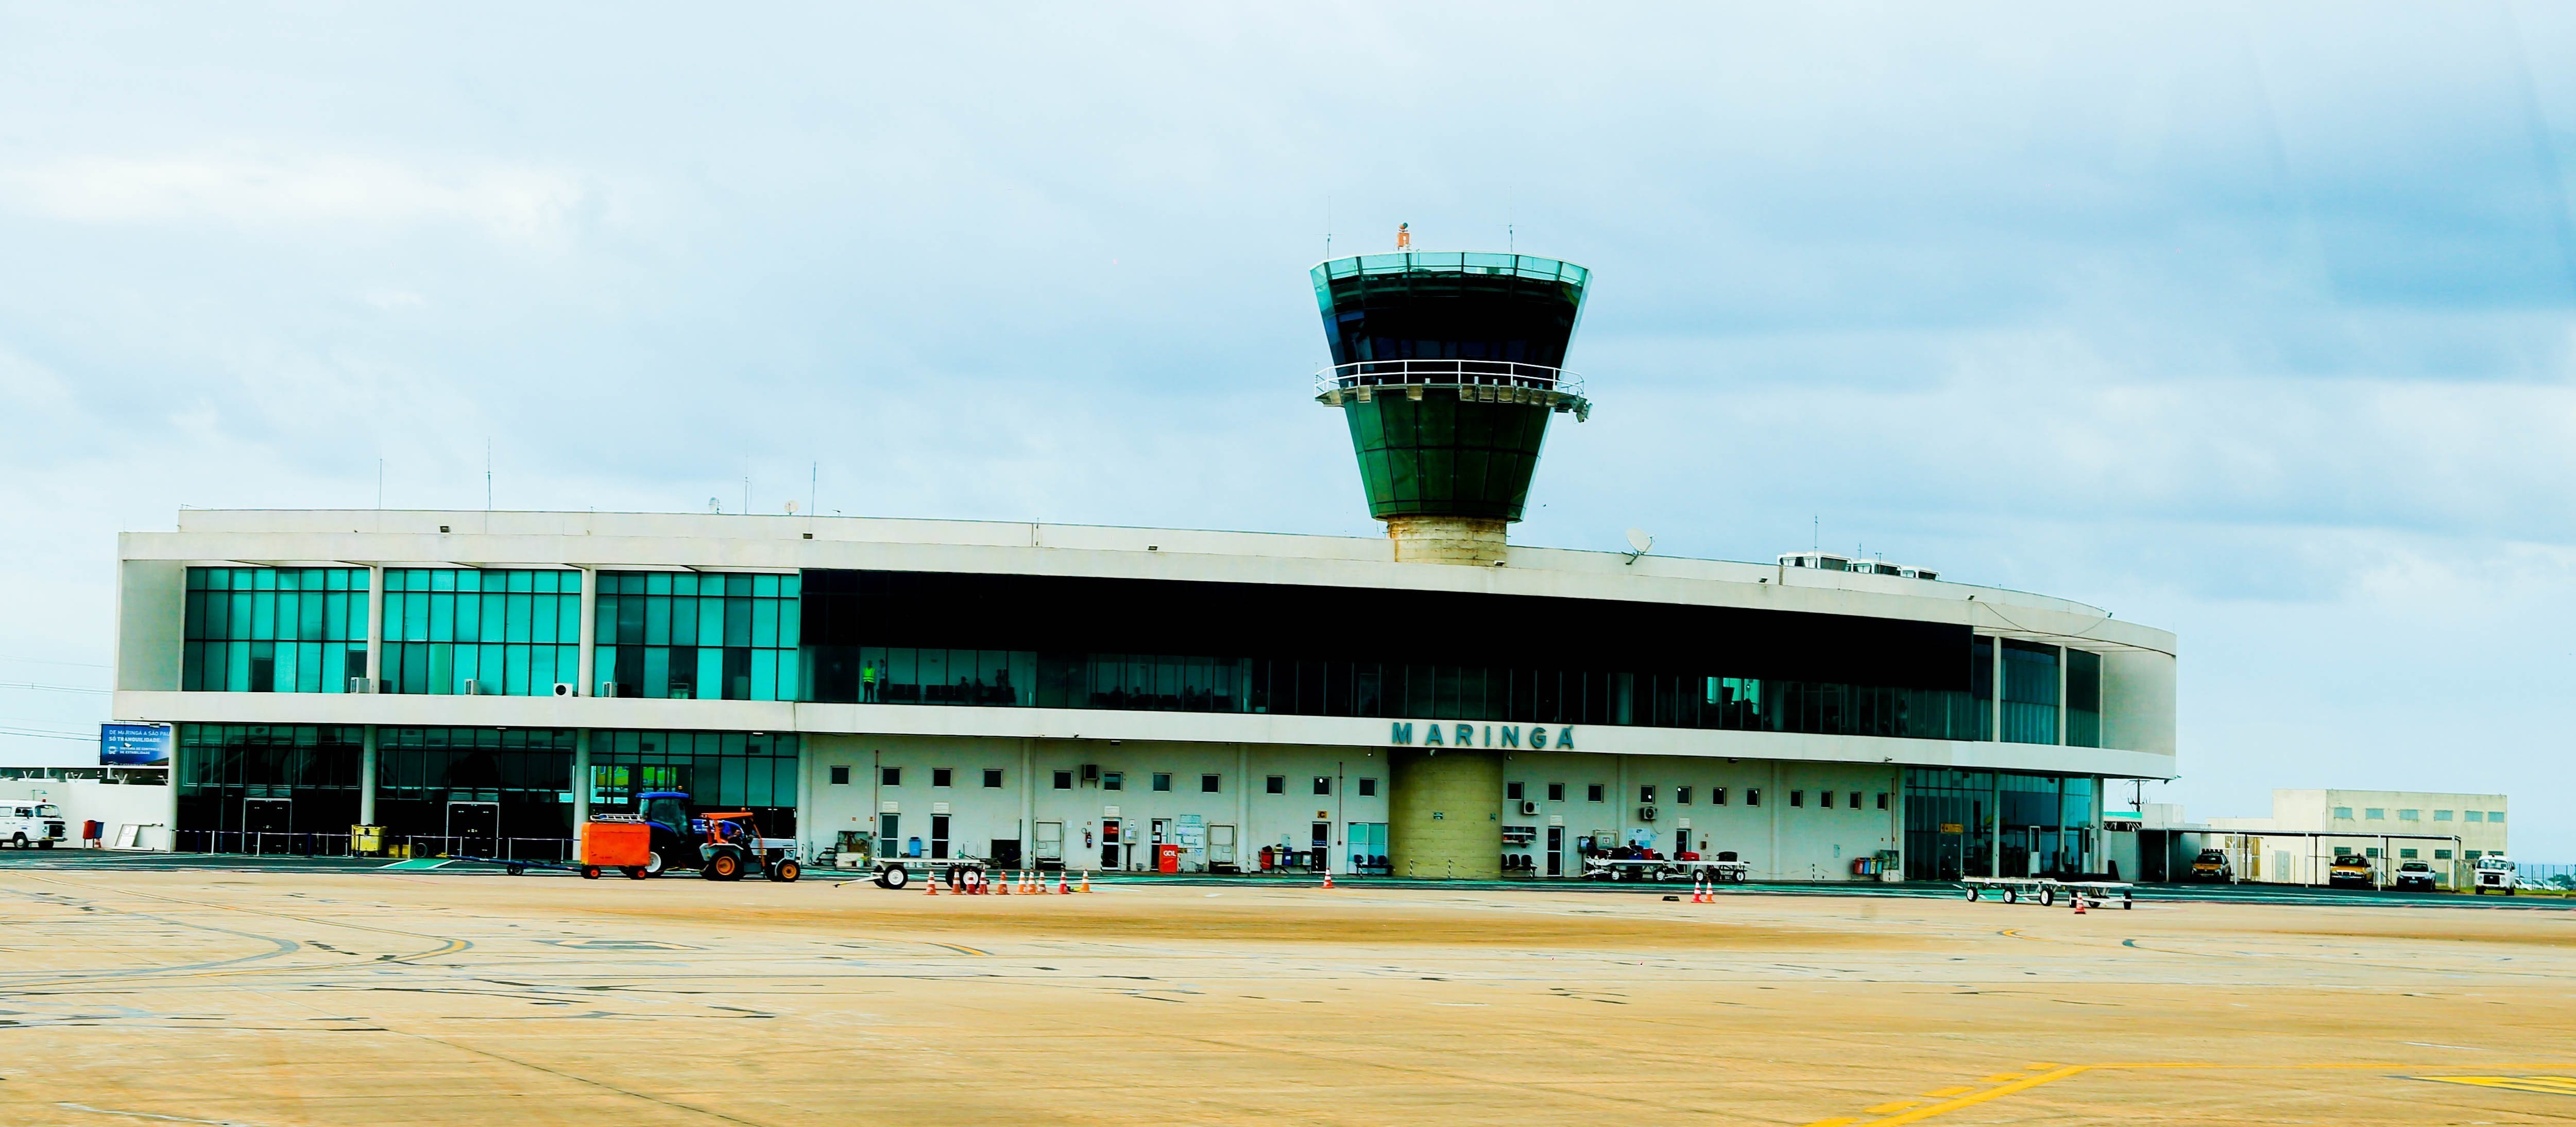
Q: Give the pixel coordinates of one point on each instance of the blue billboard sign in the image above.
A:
(134, 745)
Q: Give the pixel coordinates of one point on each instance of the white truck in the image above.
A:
(26, 824)
(2493, 871)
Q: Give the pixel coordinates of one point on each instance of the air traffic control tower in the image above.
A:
(1447, 367)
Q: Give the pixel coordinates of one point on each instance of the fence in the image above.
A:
(2546, 876)
(256, 844)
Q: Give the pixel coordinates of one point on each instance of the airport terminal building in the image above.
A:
(1435, 703)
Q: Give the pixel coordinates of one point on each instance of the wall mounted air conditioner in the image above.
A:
(362, 684)
(471, 689)
(1528, 807)
(1091, 773)
(566, 689)
(1645, 813)
(608, 688)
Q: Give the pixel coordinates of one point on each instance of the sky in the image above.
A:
(2252, 322)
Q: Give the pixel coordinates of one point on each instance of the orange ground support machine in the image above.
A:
(623, 842)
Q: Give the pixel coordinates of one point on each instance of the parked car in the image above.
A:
(2495, 872)
(2415, 876)
(2212, 867)
(2351, 870)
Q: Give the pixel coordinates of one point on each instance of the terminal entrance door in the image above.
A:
(1556, 851)
(1322, 839)
(1109, 845)
(265, 822)
(474, 828)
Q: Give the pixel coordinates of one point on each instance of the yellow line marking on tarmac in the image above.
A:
(1843, 1122)
(1946, 1093)
(2545, 1085)
(962, 950)
(1897, 1105)
(1947, 1106)
(2000, 1077)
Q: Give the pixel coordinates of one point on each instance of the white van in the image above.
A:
(24, 824)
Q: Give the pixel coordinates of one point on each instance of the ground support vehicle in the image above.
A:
(1657, 869)
(2493, 872)
(31, 825)
(2415, 876)
(623, 842)
(2047, 890)
(2211, 866)
(957, 872)
(734, 847)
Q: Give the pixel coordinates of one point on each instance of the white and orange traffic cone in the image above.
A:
(932, 884)
(1063, 884)
(1030, 881)
(1328, 878)
(1086, 880)
(1004, 888)
(2079, 903)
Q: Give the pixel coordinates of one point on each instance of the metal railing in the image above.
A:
(250, 843)
(1447, 373)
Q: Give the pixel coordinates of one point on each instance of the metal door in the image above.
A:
(1322, 839)
(1221, 847)
(1556, 851)
(1050, 845)
(1110, 854)
(474, 828)
(265, 824)
(939, 837)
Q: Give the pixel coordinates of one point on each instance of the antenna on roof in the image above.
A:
(1404, 236)
(1638, 540)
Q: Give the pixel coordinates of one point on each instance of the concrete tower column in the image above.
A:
(581, 778)
(588, 665)
(367, 772)
(1441, 810)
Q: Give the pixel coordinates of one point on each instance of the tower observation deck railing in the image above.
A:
(1490, 381)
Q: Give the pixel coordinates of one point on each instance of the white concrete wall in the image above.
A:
(979, 815)
(119, 805)
(1781, 842)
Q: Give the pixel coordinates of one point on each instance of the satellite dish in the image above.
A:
(791, 508)
(1638, 539)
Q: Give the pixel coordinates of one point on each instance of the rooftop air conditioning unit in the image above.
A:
(608, 688)
(566, 689)
(1645, 813)
(1528, 808)
(471, 689)
(362, 684)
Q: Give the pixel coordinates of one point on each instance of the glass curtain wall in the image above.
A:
(718, 770)
(688, 636)
(271, 779)
(274, 629)
(2083, 698)
(1981, 684)
(1174, 683)
(2030, 693)
(1949, 823)
(462, 782)
(494, 631)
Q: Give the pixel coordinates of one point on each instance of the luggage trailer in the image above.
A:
(1719, 872)
(2046, 890)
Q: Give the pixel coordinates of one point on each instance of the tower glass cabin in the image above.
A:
(1446, 367)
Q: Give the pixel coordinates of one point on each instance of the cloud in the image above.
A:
(515, 204)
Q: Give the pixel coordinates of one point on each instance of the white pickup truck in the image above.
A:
(24, 823)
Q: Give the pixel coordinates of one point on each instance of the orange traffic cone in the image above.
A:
(1328, 878)
(1063, 884)
(1086, 880)
(932, 884)
(2079, 903)
(1004, 888)
(1031, 882)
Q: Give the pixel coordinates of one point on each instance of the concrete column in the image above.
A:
(589, 666)
(367, 772)
(1996, 651)
(1434, 800)
(1995, 812)
(1243, 806)
(1028, 803)
(1621, 797)
(375, 628)
(580, 778)
(805, 794)
(2061, 698)
(1775, 798)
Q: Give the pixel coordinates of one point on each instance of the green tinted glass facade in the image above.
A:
(718, 770)
(494, 631)
(2030, 693)
(691, 636)
(430, 780)
(1444, 455)
(274, 630)
(2083, 698)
